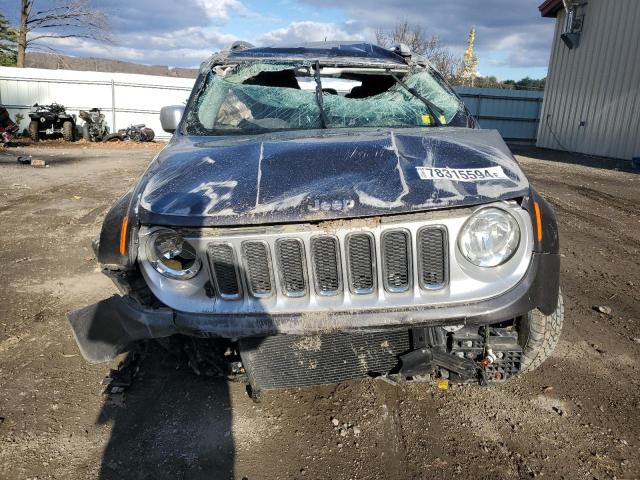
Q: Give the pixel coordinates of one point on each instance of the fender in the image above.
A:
(116, 247)
(546, 233)
(547, 244)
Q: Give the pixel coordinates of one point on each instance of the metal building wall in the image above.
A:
(514, 113)
(597, 83)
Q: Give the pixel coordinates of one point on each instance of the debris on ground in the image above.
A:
(443, 384)
(603, 309)
(122, 378)
(559, 411)
(34, 162)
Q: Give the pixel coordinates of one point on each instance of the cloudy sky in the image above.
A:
(512, 40)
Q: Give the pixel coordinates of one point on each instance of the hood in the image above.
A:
(322, 175)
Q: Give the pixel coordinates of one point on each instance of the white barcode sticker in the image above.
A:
(462, 174)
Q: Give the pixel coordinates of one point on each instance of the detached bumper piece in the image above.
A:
(109, 327)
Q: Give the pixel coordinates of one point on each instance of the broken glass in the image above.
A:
(228, 105)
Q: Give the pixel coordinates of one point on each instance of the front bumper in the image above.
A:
(107, 328)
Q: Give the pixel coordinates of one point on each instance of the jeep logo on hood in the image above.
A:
(328, 205)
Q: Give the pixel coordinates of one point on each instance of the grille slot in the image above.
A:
(326, 260)
(361, 261)
(291, 266)
(396, 260)
(223, 266)
(432, 257)
(258, 268)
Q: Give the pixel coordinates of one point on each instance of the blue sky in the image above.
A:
(512, 40)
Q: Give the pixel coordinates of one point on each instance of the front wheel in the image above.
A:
(86, 135)
(34, 130)
(538, 335)
(67, 131)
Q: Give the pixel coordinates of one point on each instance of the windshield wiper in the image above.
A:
(432, 107)
(323, 116)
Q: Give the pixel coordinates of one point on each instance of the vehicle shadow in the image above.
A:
(604, 163)
(170, 424)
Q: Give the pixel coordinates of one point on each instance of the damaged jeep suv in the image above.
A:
(327, 212)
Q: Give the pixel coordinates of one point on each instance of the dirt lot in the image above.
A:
(576, 417)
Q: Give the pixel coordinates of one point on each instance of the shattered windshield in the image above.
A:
(260, 97)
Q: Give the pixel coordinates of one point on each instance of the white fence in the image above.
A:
(124, 98)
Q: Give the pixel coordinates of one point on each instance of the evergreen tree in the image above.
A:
(7, 43)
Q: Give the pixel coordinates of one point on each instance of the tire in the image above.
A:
(85, 132)
(112, 137)
(67, 131)
(34, 133)
(538, 335)
(149, 134)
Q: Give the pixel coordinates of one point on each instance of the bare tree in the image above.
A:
(65, 19)
(414, 36)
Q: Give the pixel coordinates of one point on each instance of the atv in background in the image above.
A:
(135, 133)
(95, 127)
(51, 120)
(8, 128)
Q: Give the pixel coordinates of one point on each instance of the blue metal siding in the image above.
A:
(514, 113)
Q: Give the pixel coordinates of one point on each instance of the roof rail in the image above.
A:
(238, 45)
(401, 49)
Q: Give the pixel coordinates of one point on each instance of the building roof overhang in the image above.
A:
(549, 8)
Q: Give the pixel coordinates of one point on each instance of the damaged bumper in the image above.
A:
(107, 328)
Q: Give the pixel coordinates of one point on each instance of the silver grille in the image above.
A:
(432, 257)
(396, 260)
(361, 261)
(291, 262)
(302, 260)
(326, 265)
(224, 269)
(257, 262)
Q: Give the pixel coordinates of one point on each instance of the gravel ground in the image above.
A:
(575, 417)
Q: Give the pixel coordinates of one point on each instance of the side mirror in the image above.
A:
(170, 117)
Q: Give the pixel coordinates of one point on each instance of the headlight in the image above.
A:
(489, 238)
(172, 256)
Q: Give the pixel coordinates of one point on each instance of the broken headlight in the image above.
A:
(489, 238)
(172, 256)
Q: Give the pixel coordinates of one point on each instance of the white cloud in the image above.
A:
(307, 31)
(182, 48)
(220, 8)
